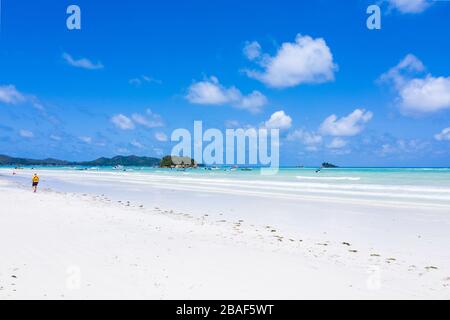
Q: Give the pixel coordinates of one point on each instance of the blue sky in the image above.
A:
(137, 70)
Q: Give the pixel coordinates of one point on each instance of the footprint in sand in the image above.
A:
(375, 255)
(446, 282)
(412, 268)
(429, 268)
(322, 244)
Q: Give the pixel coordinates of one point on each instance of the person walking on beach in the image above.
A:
(35, 182)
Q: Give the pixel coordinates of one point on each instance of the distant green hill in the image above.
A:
(123, 161)
(11, 161)
(101, 162)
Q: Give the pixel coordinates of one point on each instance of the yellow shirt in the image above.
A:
(35, 179)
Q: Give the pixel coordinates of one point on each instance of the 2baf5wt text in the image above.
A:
(226, 309)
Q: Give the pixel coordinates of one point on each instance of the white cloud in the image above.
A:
(26, 134)
(337, 143)
(143, 79)
(410, 63)
(149, 119)
(402, 146)
(83, 63)
(252, 102)
(232, 124)
(418, 95)
(86, 139)
(410, 6)
(252, 50)
(137, 144)
(161, 136)
(307, 60)
(426, 95)
(347, 126)
(122, 122)
(123, 151)
(279, 120)
(310, 139)
(10, 95)
(444, 135)
(211, 92)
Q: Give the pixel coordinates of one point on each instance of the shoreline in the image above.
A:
(291, 250)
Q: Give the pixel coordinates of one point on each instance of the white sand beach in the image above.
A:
(89, 235)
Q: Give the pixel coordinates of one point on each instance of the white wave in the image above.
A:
(329, 178)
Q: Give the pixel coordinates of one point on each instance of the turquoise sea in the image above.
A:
(427, 186)
(438, 177)
(387, 176)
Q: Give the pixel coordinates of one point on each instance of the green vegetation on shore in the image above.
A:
(100, 162)
(329, 165)
(177, 162)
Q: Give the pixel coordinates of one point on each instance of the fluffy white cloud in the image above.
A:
(10, 95)
(122, 122)
(410, 6)
(161, 136)
(410, 63)
(337, 143)
(149, 119)
(83, 63)
(307, 60)
(444, 135)
(211, 92)
(252, 50)
(310, 139)
(252, 102)
(26, 134)
(279, 120)
(426, 95)
(418, 95)
(347, 126)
